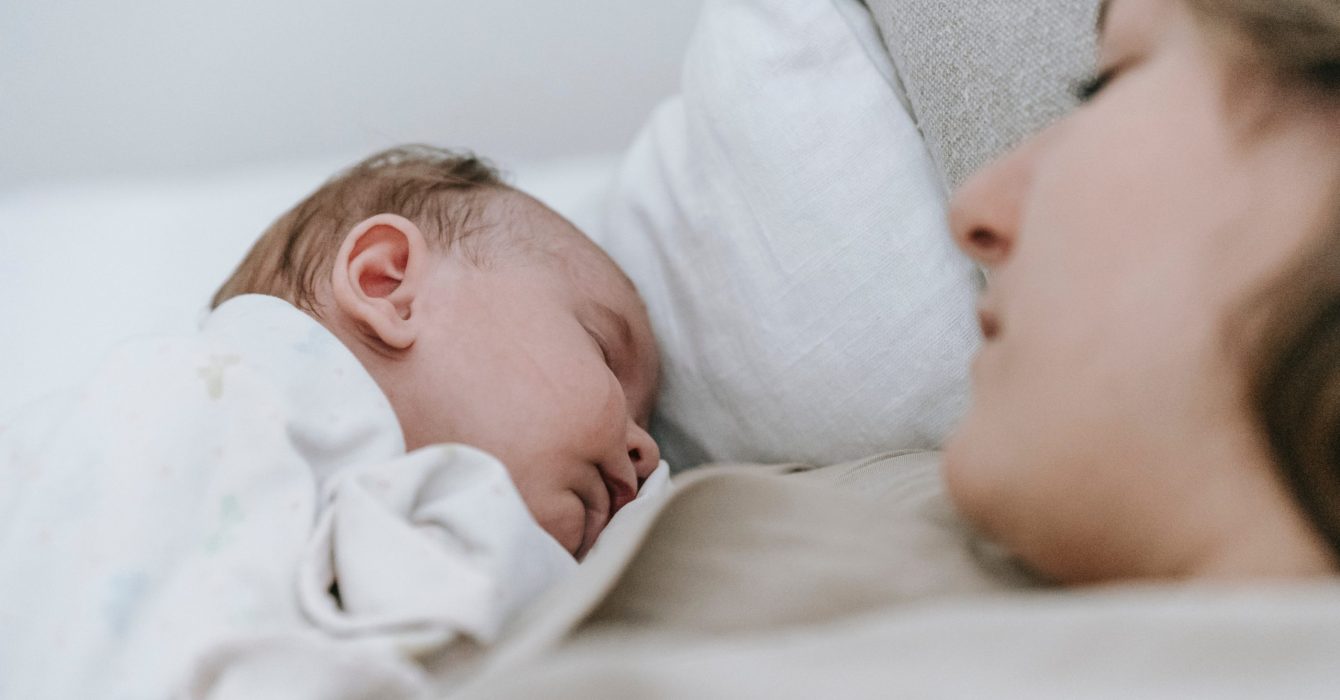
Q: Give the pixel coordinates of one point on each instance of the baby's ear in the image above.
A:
(376, 276)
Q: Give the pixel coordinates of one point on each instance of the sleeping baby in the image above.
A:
(485, 317)
(417, 403)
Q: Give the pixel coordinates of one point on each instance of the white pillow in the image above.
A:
(784, 222)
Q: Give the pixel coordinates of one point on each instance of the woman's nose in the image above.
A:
(985, 213)
(642, 451)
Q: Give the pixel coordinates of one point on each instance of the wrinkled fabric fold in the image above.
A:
(232, 514)
(433, 544)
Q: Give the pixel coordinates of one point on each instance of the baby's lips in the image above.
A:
(621, 491)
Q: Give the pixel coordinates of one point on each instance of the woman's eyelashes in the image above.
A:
(1089, 88)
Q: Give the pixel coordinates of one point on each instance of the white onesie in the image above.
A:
(174, 527)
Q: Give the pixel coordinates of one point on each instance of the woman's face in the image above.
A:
(1109, 435)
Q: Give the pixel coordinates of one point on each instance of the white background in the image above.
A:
(145, 144)
(98, 88)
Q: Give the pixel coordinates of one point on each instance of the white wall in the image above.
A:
(97, 88)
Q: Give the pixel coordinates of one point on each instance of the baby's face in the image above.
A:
(546, 360)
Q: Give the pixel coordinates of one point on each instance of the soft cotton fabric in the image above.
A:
(233, 514)
(786, 226)
(858, 580)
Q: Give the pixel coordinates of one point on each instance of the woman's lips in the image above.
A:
(987, 321)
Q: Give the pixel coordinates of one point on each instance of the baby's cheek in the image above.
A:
(603, 416)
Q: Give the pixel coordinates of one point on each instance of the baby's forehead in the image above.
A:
(600, 287)
(539, 229)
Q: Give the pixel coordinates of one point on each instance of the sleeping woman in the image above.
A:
(1157, 394)
(1157, 398)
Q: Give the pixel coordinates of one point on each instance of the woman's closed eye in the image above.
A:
(1087, 89)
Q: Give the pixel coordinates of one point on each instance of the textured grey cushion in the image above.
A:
(981, 75)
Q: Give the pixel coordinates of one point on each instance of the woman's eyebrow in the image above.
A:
(1103, 7)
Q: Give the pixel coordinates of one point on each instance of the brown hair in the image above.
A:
(1296, 41)
(439, 190)
(1295, 364)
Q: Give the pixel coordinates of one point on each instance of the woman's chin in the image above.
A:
(956, 461)
(967, 473)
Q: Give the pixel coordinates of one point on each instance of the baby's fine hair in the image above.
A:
(441, 191)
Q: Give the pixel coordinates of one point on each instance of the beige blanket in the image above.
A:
(857, 580)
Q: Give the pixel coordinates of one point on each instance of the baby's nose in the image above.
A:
(642, 452)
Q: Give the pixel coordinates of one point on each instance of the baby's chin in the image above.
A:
(567, 530)
(592, 529)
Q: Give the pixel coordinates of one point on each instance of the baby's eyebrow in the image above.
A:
(622, 329)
